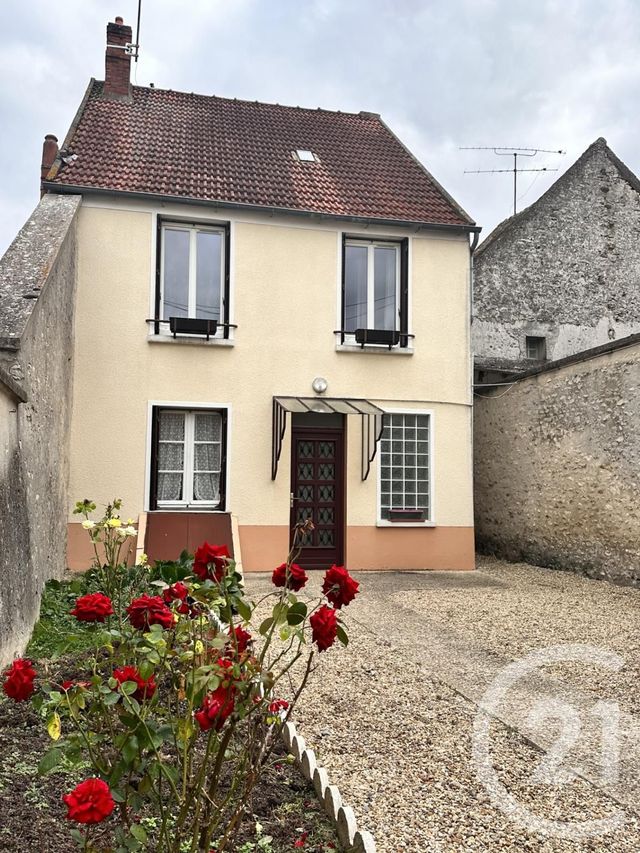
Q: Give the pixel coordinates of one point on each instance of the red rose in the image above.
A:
(216, 707)
(150, 610)
(89, 802)
(94, 607)
(67, 685)
(19, 680)
(278, 705)
(339, 587)
(324, 627)
(207, 556)
(243, 638)
(146, 686)
(178, 592)
(295, 580)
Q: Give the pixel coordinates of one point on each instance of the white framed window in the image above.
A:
(405, 469)
(192, 273)
(374, 301)
(188, 458)
(371, 285)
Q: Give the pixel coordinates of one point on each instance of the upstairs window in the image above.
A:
(375, 292)
(188, 459)
(193, 280)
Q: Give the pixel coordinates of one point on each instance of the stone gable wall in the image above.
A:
(36, 359)
(567, 269)
(557, 467)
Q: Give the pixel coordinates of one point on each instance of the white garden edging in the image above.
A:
(354, 840)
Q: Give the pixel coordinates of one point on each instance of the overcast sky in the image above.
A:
(554, 74)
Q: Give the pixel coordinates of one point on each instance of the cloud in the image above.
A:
(555, 74)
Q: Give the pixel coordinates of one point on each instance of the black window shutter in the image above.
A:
(155, 431)
(227, 262)
(344, 289)
(156, 325)
(223, 462)
(404, 293)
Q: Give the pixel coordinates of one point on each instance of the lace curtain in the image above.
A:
(204, 429)
(171, 456)
(206, 456)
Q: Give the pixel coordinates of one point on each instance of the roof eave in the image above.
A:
(54, 187)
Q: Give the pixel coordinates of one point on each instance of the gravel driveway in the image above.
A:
(392, 716)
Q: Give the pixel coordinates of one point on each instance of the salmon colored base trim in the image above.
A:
(263, 546)
(368, 548)
(371, 548)
(431, 548)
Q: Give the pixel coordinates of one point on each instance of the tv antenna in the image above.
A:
(510, 151)
(133, 49)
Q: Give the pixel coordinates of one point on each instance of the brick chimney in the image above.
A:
(49, 154)
(117, 61)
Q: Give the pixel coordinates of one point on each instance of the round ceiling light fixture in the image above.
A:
(319, 385)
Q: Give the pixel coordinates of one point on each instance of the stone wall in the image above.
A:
(37, 296)
(567, 268)
(557, 466)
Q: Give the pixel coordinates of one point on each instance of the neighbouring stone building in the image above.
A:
(556, 330)
(557, 464)
(37, 298)
(563, 275)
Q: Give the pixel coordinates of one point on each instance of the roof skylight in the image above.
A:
(305, 155)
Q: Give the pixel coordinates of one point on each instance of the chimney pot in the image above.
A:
(117, 61)
(49, 154)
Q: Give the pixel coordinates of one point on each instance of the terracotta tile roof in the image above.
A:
(210, 148)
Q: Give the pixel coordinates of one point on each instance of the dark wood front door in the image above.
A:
(317, 482)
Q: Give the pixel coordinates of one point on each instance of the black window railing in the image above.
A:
(191, 326)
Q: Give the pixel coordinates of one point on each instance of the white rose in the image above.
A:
(88, 525)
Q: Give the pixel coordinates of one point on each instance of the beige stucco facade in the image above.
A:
(285, 298)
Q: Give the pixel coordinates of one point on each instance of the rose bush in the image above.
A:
(181, 703)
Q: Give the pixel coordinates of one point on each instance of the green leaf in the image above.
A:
(342, 636)
(130, 749)
(280, 612)
(117, 773)
(146, 669)
(49, 760)
(266, 626)
(111, 698)
(129, 687)
(138, 832)
(285, 633)
(244, 610)
(145, 785)
(297, 613)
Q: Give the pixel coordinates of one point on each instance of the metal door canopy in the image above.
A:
(372, 423)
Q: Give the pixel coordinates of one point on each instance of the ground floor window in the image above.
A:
(188, 458)
(405, 468)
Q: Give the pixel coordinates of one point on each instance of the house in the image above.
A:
(563, 275)
(272, 323)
